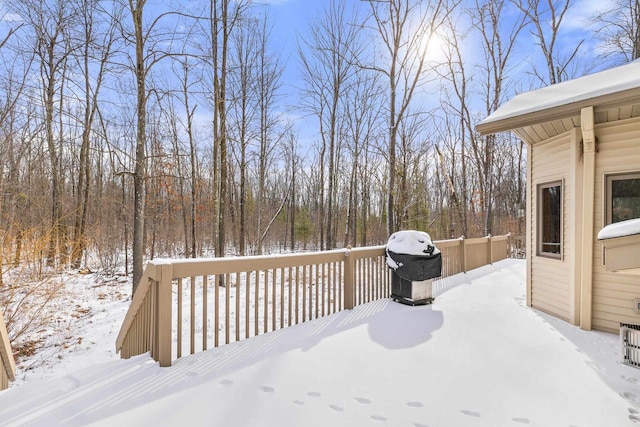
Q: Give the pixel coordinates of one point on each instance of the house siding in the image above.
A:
(613, 293)
(550, 277)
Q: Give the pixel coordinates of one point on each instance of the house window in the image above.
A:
(623, 197)
(550, 219)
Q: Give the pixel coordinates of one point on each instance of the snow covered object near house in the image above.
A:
(415, 261)
(621, 243)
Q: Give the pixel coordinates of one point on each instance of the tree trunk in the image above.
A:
(139, 174)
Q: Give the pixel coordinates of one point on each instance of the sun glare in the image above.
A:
(433, 45)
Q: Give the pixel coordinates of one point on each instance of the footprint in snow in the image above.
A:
(629, 396)
(415, 404)
(336, 408)
(521, 420)
(314, 394)
(226, 382)
(634, 418)
(362, 400)
(378, 418)
(470, 413)
(69, 383)
(419, 425)
(298, 402)
(632, 380)
(267, 389)
(632, 410)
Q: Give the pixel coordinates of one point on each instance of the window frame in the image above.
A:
(540, 220)
(608, 191)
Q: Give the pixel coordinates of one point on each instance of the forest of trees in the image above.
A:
(133, 129)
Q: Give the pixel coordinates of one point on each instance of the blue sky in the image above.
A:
(291, 19)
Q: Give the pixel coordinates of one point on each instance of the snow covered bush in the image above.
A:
(25, 310)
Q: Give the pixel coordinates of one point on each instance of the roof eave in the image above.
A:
(558, 112)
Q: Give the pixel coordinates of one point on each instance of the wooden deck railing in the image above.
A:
(7, 364)
(186, 305)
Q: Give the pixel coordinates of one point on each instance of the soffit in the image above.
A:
(606, 114)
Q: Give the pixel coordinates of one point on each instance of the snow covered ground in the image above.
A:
(478, 356)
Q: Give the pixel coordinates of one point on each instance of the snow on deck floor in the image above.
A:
(478, 357)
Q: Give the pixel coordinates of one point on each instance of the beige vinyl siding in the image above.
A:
(550, 277)
(613, 293)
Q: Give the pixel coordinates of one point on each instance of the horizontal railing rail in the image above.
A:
(7, 364)
(183, 306)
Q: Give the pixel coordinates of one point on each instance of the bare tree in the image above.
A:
(363, 117)
(223, 17)
(619, 29)
(13, 148)
(406, 29)
(189, 127)
(328, 59)
(497, 38)
(268, 75)
(51, 27)
(100, 50)
(148, 51)
(244, 111)
(136, 7)
(547, 16)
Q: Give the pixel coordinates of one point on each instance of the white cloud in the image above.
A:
(272, 2)
(579, 15)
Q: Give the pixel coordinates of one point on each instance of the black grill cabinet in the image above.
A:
(415, 262)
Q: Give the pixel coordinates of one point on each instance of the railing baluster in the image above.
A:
(341, 287)
(330, 288)
(216, 309)
(205, 303)
(179, 320)
(376, 277)
(273, 299)
(256, 305)
(265, 315)
(363, 283)
(297, 291)
(247, 305)
(192, 316)
(337, 280)
(236, 291)
(367, 269)
(282, 298)
(325, 289)
(289, 301)
(227, 289)
(317, 289)
(367, 282)
(370, 280)
(311, 290)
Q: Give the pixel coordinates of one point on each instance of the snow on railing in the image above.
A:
(7, 364)
(183, 306)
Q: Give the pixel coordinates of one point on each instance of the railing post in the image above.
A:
(163, 314)
(349, 280)
(490, 252)
(463, 254)
(7, 364)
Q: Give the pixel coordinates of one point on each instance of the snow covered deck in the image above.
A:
(477, 356)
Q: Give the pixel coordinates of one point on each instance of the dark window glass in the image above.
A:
(625, 199)
(551, 219)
